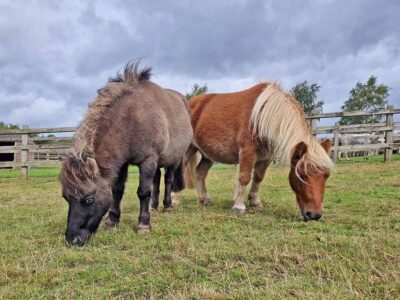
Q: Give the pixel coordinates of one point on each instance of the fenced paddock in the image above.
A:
(36, 151)
(197, 252)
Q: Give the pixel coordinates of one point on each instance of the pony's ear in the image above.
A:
(327, 145)
(299, 151)
(91, 166)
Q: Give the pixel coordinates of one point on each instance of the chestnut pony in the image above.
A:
(254, 127)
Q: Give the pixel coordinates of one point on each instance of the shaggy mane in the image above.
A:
(74, 175)
(278, 120)
(132, 74)
(99, 110)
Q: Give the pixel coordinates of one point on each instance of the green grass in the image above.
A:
(209, 252)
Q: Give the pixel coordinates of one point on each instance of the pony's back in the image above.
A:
(132, 110)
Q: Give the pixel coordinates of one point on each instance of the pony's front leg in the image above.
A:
(155, 193)
(347, 156)
(247, 159)
(147, 170)
(118, 189)
(258, 175)
(202, 170)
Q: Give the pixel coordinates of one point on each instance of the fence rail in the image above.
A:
(359, 128)
(37, 130)
(387, 127)
(389, 111)
(43, 151)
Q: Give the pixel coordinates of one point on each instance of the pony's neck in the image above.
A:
(94, 125)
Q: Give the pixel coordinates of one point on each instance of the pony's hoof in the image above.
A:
(255, 204)
(240, 209)
(167, 209)
(205, 201)
(143, 229)
(153, 209)
(108, 224)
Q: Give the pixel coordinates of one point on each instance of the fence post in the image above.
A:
(314, 123)
(336, 142)
(389, 135)
(24, 155)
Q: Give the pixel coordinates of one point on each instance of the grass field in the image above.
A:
(209, 252)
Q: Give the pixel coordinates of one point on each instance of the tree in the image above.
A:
(307, 96)
(197, 90)
(4, 126)
(364, 97)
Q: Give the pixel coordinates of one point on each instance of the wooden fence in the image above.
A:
(391, 142)
(21, 138)
(40, 151)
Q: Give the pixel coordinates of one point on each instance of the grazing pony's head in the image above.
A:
(88, 195)
(308, 178)
(279, 122)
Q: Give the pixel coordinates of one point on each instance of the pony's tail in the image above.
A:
(192, 159)
(178, 183)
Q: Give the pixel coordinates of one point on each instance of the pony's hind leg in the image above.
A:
(258, 175)
(178, 183)
(155, 193)
(118, 189)
(147, 171)
(175, 199)
(168, 177)
(202, 170)
(247, 159)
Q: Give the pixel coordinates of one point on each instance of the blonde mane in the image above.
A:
(278, 120)
(99, 110)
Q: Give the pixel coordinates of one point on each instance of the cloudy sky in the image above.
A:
(54, 55)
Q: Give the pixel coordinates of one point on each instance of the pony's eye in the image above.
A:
(87, 201)
(303, 177)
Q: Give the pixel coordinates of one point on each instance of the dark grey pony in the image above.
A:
(132, 121)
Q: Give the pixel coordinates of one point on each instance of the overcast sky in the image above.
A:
(54, 55)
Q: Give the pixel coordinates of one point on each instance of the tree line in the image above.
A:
(363, 97)
(5, 126)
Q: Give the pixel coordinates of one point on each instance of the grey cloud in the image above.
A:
(63, 52)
